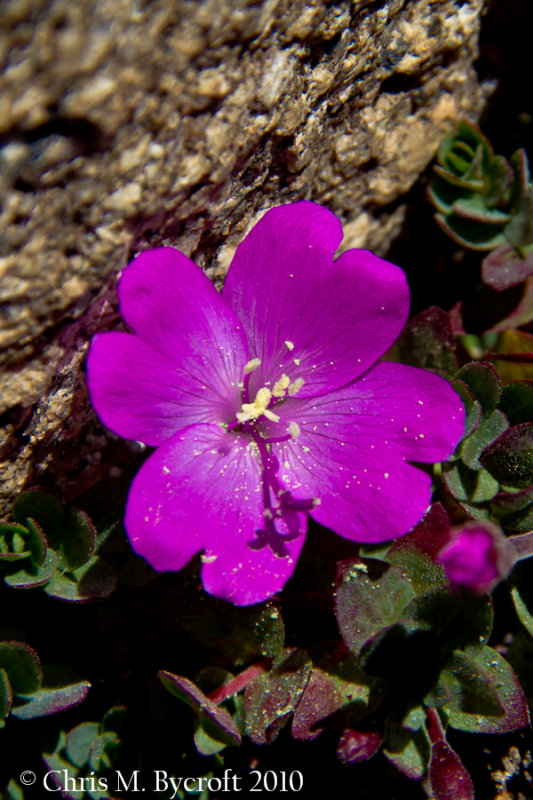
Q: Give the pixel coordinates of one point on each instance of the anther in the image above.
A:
(295, 387)
(281, 386)
(294, 429)
(252, 365)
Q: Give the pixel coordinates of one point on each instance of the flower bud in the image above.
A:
(477, 557)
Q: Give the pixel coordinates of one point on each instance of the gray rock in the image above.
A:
(126, 125)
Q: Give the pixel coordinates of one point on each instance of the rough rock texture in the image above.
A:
(126, 125)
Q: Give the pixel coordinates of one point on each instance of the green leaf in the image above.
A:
(484, 383)
(94, 581)
(409, 751)
(520, 656)
(522, 593)
(49, 700)
(500, 177)
(103, 751)
(14, 791)
(37, 543)
(519, 231)
(459, 620)
(6, 694)
(12, 542)
(486, 695)
(78, 543)
(26, 579)
(22, 665)
(215, 720)
(490, 427)
(370, 596)
(510, 458)
(79, 742)
(271, 698)
(204, 743)
(470, 233)
(44, 509)
(474, 208)
(470, 488)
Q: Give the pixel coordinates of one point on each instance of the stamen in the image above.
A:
(281, 386)
(258, 407)
(290, 345)
(252, 365)
(295, 387)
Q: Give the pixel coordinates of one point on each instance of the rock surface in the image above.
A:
(126, 125)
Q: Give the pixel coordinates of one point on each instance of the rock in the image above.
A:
(128, 126)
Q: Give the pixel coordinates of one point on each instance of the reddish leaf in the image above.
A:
(355, 746)
(504, 268)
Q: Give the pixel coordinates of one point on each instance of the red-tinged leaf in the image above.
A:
(271, 698)
(355, 746)
(335, 683)
(449, 777)
(370, 597)
(427, 341)
(217, 722)
(487, 697)
(522, 314)
(504, 268)
(428, 537)
(514, 358)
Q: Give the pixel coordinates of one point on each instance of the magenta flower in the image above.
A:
(477, 557)
(266, 403)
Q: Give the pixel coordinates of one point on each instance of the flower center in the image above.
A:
(282, 387)
(279, 505)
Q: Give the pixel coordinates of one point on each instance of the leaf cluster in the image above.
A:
(485, 202)
(44, 545)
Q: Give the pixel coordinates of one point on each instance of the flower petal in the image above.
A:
(140, 394)
(203, 490)
(169, 302)
(352, 444)
(306, 315)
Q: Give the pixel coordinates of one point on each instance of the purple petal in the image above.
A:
(169, 302)
(203, 490)
(306, 315)
(140, 394)
(352, 444)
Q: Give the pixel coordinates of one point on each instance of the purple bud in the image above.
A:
(477, 557)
